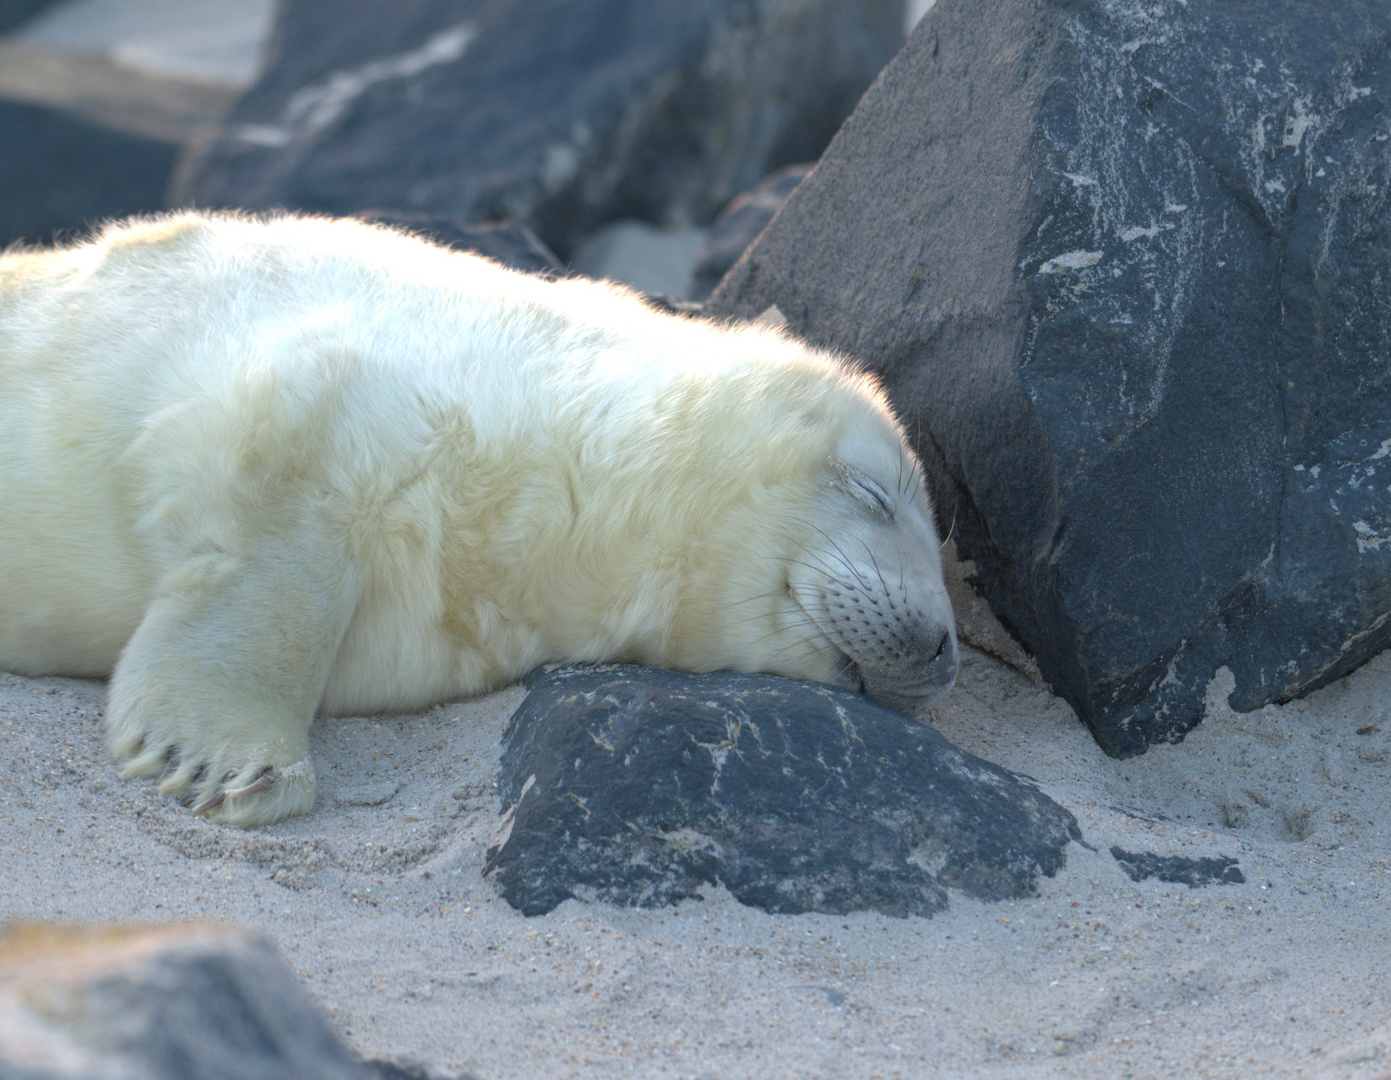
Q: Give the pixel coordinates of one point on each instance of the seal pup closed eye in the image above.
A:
(252, 469)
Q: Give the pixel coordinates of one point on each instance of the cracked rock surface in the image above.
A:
(560, 116)
(1126, 270)
(641, 787)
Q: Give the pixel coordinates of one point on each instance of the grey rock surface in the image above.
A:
(560, 114)
(641, 787)
(208, 42)
(738, 226)
(61, 173)
(14, 13)
(506, 242)
(647, 258)
(1126, 270)
(95, 89)
(171, 1003)
(1179, 869)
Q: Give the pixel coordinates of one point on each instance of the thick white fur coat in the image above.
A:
(259, 468)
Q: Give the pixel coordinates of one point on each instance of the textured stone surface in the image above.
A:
(173, 1003)
(738, 226)
(641, 787)
(561, 114)
(503, 241)
(1179, 869)
(1126, 270)
(60, 172)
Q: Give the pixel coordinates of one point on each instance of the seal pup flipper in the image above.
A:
(216, 690)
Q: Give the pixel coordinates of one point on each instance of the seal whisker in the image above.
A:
(875, 563)
(819, 569)
(950, 531)
(844, 557)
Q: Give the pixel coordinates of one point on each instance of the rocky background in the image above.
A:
(1125, 272)
(612, 133)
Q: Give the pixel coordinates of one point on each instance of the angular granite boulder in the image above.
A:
(641, 787)
(559, 114)
(1126, 270)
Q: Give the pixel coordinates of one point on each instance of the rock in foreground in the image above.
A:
(1127, 270)
(641, 787)
(171, 1003)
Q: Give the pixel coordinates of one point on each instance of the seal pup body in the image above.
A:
(252, 469)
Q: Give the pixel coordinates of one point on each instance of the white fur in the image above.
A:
(256, 468)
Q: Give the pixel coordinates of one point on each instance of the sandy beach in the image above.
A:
(377, 901)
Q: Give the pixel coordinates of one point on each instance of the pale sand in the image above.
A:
(376, 900)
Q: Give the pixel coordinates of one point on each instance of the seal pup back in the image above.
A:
(257, 468)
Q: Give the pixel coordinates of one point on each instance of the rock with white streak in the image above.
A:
(641, 787)
(560, 114)
(1126, 271)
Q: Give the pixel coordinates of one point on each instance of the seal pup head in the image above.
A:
(870, 580)
(821, 559)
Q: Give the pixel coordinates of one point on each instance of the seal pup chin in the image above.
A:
(258, 468)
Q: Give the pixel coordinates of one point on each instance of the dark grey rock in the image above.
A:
(1179, 870)
(671, 305)
(14, 13)
(60, 173)
(640, 787)
(391, 1070)
(503, 241)
(560, 114)
(738, 226)
(1126, 269)
(174, 1003)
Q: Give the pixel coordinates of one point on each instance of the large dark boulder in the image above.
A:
(1126, 269)
(60, 172)
(559, 114)
(641, 787)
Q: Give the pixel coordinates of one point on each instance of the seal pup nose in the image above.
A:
(917, 678)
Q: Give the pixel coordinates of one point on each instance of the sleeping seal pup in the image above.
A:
(257, 468)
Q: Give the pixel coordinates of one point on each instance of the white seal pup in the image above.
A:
(252, 469)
